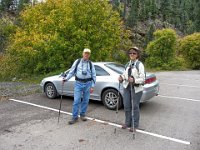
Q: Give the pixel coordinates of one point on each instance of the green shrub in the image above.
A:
(7, 67)
(7, 28)
(161, 51)
(190, 50)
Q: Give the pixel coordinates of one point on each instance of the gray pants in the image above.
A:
(128, 106)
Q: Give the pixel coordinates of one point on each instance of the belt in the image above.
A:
(83, 80)
(136, 85)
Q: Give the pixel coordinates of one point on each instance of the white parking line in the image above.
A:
(187, 99)
(196, 79)
(108, 123)
(181, 85)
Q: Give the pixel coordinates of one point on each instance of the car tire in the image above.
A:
(109, 99)
(50, 90)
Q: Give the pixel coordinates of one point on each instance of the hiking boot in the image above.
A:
(132, 129)
(124, 126)
(83, 118)
(72, 121)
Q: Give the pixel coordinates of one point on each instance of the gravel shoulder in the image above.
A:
(15, 89)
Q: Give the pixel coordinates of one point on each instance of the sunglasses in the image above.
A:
(132, 53)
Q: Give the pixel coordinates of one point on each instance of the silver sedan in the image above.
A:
(107, 88)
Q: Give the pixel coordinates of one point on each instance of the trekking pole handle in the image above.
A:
(120, 78)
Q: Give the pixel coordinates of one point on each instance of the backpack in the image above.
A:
(136, 66)
(78, 64)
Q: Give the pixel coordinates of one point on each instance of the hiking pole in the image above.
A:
(132, 111)
(61, 100)
(117, 108)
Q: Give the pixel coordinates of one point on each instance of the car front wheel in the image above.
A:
(50, 90)
(109, 99)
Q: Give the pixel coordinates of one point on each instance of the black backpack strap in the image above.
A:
(91, 70)
(137, 65)
(77, 65)
(126, 65)
(90, 66)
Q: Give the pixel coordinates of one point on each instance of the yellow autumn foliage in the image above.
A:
(51, 35)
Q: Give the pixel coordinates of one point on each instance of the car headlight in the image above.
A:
(42, 82)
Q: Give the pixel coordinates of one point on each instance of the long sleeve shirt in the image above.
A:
(139, 75)
(83, 66)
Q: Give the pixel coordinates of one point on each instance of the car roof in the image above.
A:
(148, 74)
(103, 62)
(106, 62)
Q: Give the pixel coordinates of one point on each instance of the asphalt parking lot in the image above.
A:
(171, 121)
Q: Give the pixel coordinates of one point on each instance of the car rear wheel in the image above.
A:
(109, 99)
(50, 90)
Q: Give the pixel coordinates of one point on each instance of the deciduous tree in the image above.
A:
(52, 35)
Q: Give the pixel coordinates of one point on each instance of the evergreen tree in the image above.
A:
(182, 14)
(134, 13)
(142, 14)
(150, 9)
(149, 35)
(176, 13)
(165, 9)
(6, 5)
(153, 9)
(13, 6)
(197, 16)
(22, 4)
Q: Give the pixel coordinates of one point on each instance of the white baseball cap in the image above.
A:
(86, 50)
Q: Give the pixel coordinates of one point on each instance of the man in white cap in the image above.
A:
(85, 76)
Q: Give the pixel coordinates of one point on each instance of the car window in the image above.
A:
(100, 71)
(116, 67)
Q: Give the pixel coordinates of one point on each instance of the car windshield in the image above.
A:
(116, 67)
